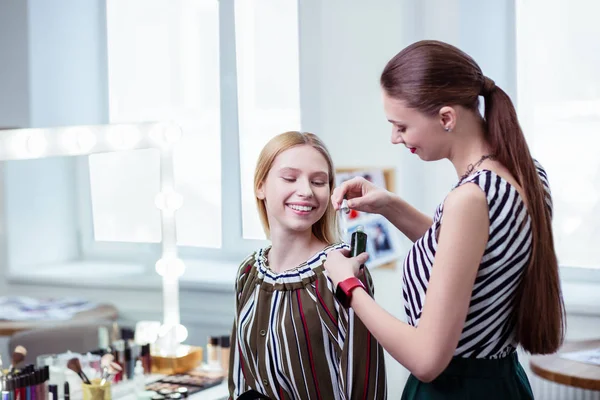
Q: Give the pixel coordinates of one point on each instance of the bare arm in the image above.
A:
(427, 349)
(410, 221)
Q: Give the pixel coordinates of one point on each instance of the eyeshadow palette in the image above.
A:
(173, 383)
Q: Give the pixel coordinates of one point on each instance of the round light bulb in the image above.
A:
(30, 144)
(123, 137)
(79, 140)
(36, 145)
(181, 332)
(168, 200)
(172, 267)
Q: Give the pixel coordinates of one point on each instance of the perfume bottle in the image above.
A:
(358, 242)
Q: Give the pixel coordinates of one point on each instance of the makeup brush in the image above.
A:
(74, 365)
(112, 369)
(17, 357)
(106, 360)
(105, 364)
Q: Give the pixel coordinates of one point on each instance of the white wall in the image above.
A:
(65, 83)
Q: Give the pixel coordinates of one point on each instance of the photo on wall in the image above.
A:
(382, 237)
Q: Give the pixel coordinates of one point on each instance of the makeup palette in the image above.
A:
(184, 384)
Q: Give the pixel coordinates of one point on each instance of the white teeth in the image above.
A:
(300, 208)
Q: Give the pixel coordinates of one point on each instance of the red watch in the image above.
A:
(344, 289)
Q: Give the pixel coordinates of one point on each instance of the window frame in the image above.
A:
(234, 247)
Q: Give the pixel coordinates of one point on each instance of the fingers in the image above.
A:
(362, 258)
(358, 263)
(345, 252)
(356, 203)
(349, 189)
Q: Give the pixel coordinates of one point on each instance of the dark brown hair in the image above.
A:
(429, 75)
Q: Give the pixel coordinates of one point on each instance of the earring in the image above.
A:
(447, 129)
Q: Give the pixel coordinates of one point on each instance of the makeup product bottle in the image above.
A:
(358, 242)
(39, 385)
(115, 334)
(225, 348)
(146, 358)
(10, 387)
(46, 379)
(67, 392)
(138, 377)
(34, 386)
(21, 391)
(28, 387)
(213, 351)
(4, 386)
(103, 338)
(129, 362)
(344, 207)
(17, 387)
(52, 392)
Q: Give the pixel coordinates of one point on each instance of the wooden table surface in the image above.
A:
(101, 312)
(568, 372)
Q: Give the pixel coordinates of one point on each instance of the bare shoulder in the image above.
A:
(466, 198)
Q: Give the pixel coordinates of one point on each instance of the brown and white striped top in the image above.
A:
(293, 340)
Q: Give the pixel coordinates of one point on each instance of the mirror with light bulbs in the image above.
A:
(28, 155)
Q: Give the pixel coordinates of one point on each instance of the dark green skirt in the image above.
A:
(471, 378)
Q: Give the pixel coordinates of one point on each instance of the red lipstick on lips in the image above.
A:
(413, 149)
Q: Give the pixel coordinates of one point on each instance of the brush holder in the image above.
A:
(95, 391)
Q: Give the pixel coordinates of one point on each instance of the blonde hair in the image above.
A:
(326, 228)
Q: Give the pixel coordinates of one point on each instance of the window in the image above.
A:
(166, 62)
(558, 59)
(268, 87)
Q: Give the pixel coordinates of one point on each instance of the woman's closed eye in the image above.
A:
(400, 129)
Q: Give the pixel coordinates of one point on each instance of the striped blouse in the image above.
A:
(489, 330)
(293, 340)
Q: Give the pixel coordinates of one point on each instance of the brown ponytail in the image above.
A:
(428, 75)
(539, 294)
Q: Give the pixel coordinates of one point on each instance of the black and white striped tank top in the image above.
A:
(489, 328)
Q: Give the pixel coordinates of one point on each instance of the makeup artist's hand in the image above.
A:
(340, 267)
(362, 195)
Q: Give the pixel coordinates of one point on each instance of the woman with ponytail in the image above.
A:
(482, 276)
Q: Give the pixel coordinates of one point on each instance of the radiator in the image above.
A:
(546, 390)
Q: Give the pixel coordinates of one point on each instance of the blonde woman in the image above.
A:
(291, 338)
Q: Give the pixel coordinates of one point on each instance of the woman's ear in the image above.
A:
(447, 118)
(260, 191)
